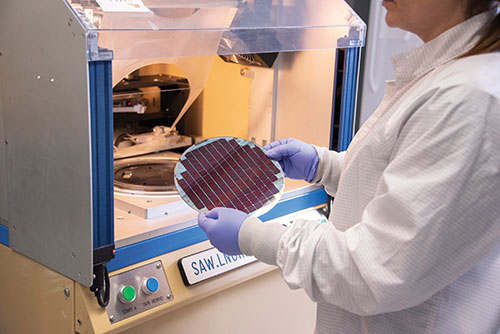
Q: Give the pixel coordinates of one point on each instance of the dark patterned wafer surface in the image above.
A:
(227, 173)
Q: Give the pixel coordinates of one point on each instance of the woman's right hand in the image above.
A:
(298, 159)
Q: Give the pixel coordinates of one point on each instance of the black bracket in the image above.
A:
(100, 286)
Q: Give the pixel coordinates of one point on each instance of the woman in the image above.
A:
(414, 240)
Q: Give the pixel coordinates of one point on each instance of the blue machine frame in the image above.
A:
(348, 99)
(101, 118)
(4, 235)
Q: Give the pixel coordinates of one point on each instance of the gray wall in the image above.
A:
(3, 174)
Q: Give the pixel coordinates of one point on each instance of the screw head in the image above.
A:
(112, 318)
(67, 292)
(169, 296)
(158, 265)
(79, 322)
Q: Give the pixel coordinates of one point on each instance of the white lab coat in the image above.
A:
(414, 240)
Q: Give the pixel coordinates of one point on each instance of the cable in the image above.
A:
(101, 285)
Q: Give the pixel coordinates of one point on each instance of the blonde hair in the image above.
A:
(490, 40)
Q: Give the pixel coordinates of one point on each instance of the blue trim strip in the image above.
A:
(297, 203)
(141, 251)
(4, 235)
(101, 118)
(348, 97)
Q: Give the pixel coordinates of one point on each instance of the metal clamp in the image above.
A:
(94, 52)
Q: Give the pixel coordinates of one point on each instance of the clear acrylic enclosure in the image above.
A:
(136, 29)
(214, 68)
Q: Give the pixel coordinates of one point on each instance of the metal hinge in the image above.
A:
(94, 52)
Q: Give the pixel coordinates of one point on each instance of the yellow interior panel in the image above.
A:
(222, 109)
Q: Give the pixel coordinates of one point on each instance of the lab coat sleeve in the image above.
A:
(261, 240)
(329, 167)
(435, 214)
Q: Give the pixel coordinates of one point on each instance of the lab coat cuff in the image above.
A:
(260, 239)
(321, 151)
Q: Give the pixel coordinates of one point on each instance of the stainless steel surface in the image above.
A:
(44, 74)
(145, 175)
(117, 310)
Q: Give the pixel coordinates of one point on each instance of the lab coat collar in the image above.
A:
(447, 46)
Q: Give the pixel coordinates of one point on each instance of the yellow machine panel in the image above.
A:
(35, 299)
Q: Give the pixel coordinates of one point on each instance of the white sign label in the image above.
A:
(209, 263)
(136, 6)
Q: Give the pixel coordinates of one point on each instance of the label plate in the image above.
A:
(209, 263)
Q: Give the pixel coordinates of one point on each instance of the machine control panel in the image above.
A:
(137, 290)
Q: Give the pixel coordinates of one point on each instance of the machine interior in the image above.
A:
(159, 111)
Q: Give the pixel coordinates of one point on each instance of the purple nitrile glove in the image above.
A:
(298, 159)
(222, 226)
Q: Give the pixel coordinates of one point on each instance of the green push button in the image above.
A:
(127, 294)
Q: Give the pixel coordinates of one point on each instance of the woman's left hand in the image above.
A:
(222, 226)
